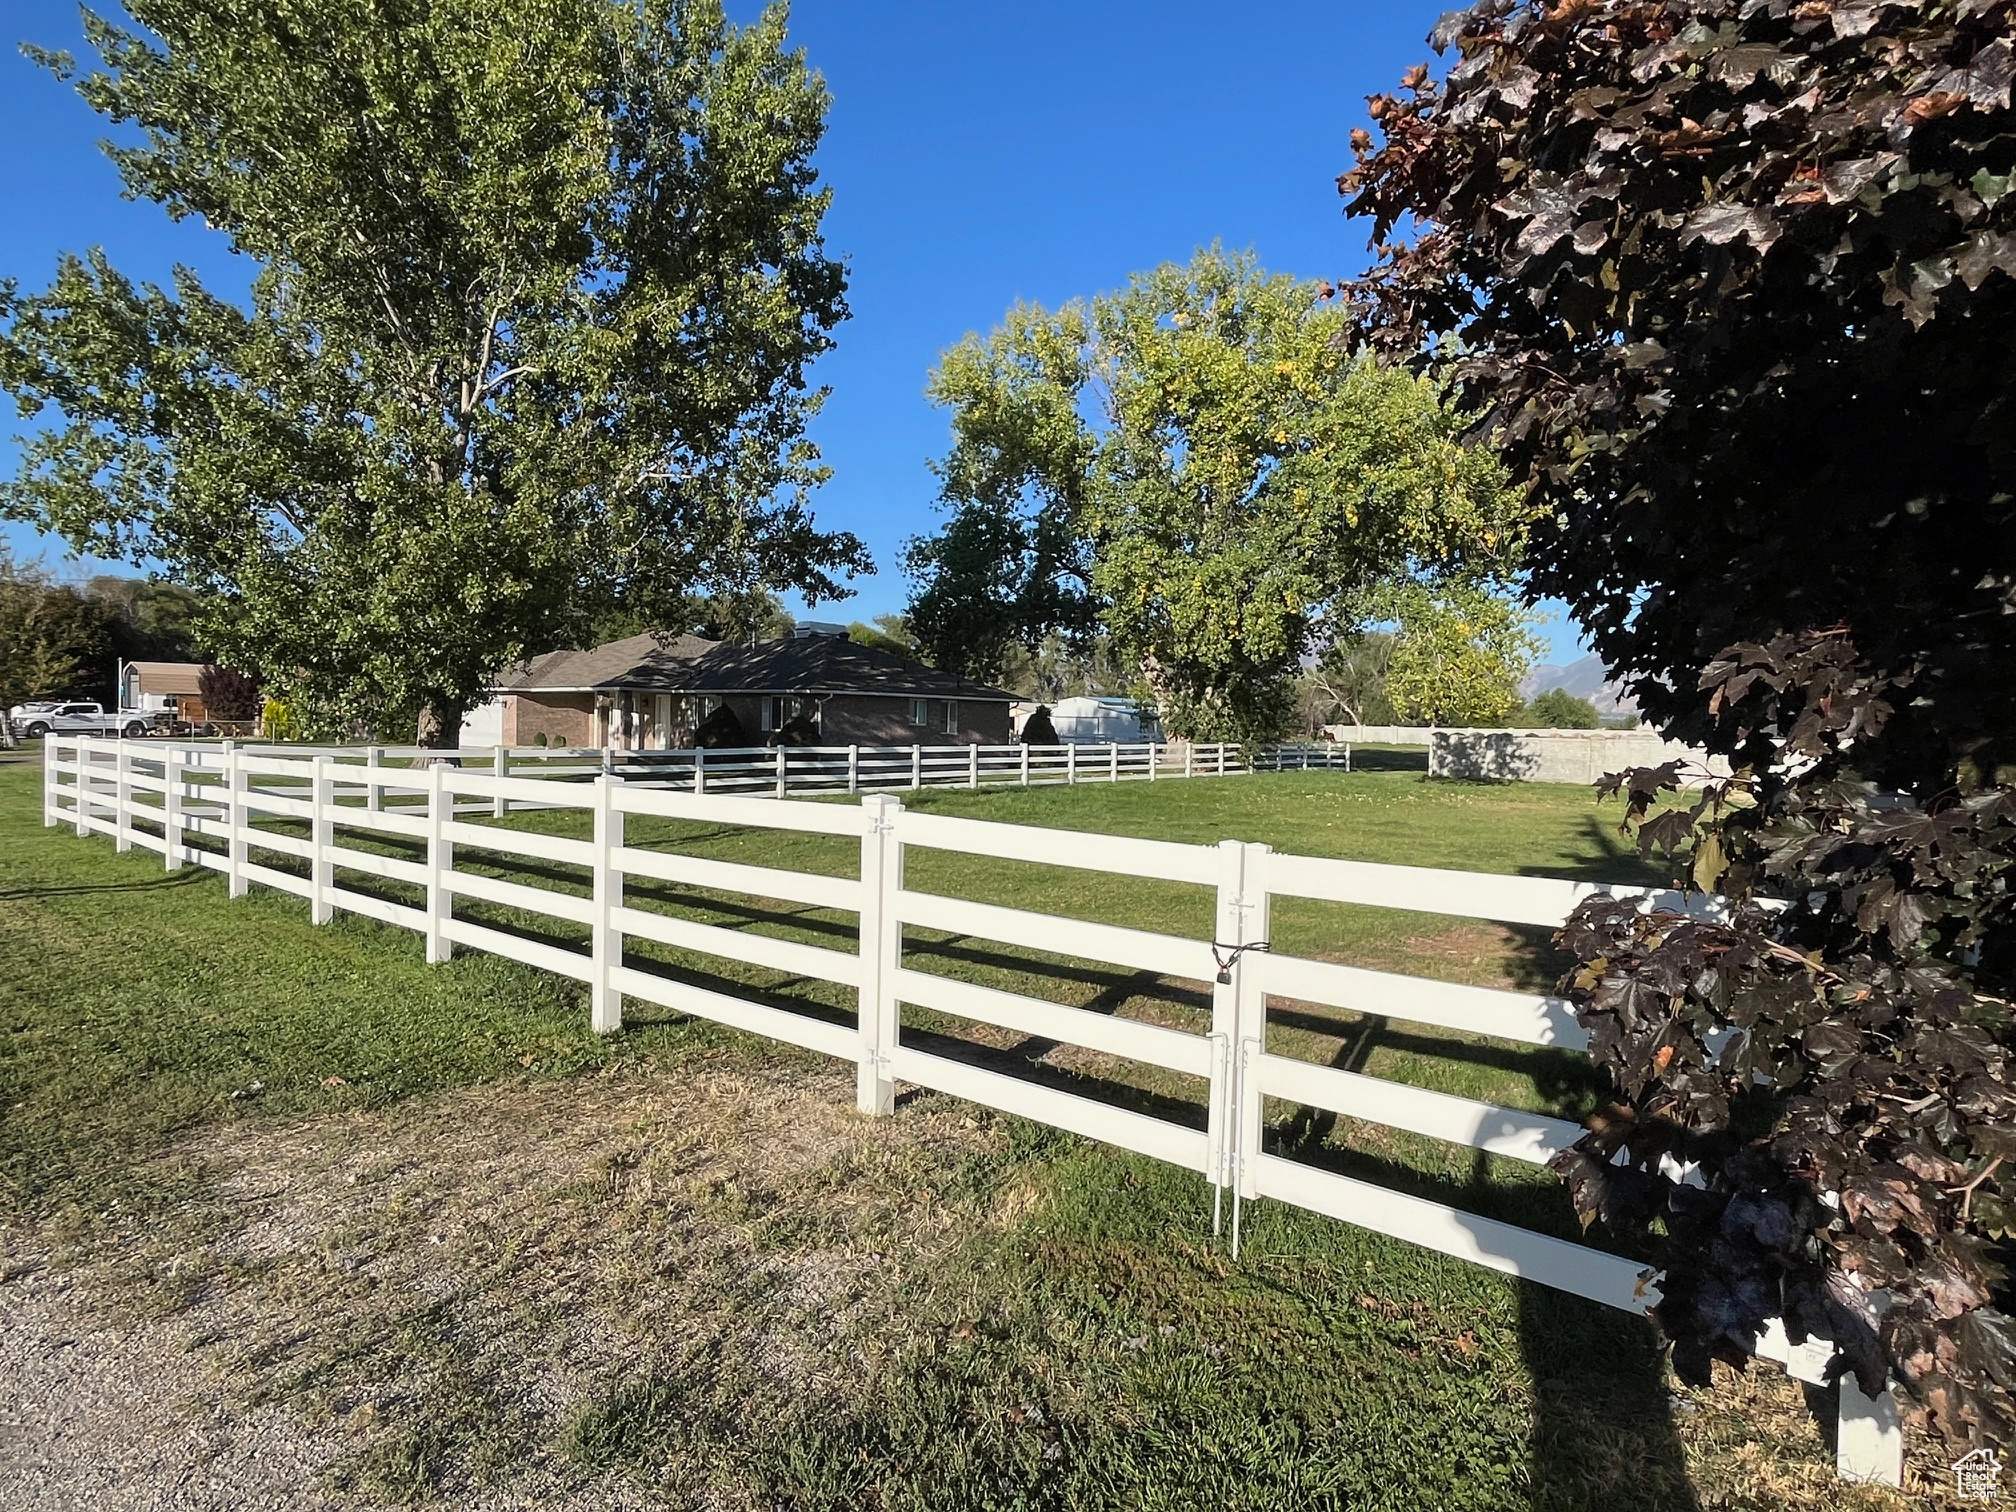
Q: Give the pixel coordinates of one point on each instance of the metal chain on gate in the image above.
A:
(1227, 962)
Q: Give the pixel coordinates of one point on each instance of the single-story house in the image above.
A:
(643, 693)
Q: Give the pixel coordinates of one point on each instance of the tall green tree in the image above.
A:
(1558, 709)
(539, 282)
(1196, 465)
(156, 621)
(890, 632)
(1459, 652)
(42, 654)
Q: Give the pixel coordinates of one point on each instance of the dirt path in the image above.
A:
(425, 1299)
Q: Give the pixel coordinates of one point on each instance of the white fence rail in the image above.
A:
(1304, 756)
(203, 805)
(778, 771)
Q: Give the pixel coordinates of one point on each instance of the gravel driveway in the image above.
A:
(106, 1417)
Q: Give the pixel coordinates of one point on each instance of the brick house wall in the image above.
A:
(866, 719)
(565, 719)
(568, 719)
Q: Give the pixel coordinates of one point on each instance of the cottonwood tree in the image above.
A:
(1197, 466)
(1733, 286)
(1458, 652)
(538, 282)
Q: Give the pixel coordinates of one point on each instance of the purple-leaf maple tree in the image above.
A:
(1731, 286)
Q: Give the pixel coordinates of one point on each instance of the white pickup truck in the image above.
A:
(35, 720)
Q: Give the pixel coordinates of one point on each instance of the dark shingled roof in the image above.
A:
(804, 664)
(634, 662)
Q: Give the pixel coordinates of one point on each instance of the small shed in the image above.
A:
(151, 686)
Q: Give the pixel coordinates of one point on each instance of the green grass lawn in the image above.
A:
(1029, 1321)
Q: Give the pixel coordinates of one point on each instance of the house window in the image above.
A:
(780, 711)
(939, 715)
(692, 711)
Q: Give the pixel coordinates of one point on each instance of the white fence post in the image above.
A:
(1250, 1034)
(501, 760)
(1113, 761)
(1154, 760)
(171, 807)
(853, 769)
(973, 766)
(237, 823)
(783, 784)
(1025, 763)
(1221, 1117)
(1071, 764)
(50, 817)
(699, 770)
(122, 796)
(881, 944)
(80, 782)
(1869, 1436)
(605, 940)
(916, 767)
(374, 795)
(440, 861)
(322, 839)
(1189, 751)
(1221, 759)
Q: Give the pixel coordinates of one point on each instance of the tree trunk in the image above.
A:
(1158, 684)
(440, 725)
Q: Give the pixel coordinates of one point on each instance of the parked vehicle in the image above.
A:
(35, 720)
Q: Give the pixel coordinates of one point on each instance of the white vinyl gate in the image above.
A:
(163, 797)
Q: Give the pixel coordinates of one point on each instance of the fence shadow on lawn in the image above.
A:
(1602, 1411)
(167, 880)
(1404, 759)
(1599, 1376)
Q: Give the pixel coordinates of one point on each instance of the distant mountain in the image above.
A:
(1587, 678)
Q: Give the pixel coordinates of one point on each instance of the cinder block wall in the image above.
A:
(1579, 756)
(1380, 734)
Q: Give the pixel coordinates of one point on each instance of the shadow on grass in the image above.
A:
(1604, 856)
(1026, 1061)
(181, 878)
(1603, 1431)
(1603, 1428)
(1412, 759)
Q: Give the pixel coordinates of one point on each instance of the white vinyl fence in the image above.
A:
(203, 805)
(784, 770)
(1304, 756)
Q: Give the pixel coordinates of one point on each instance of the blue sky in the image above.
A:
(978, 154)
